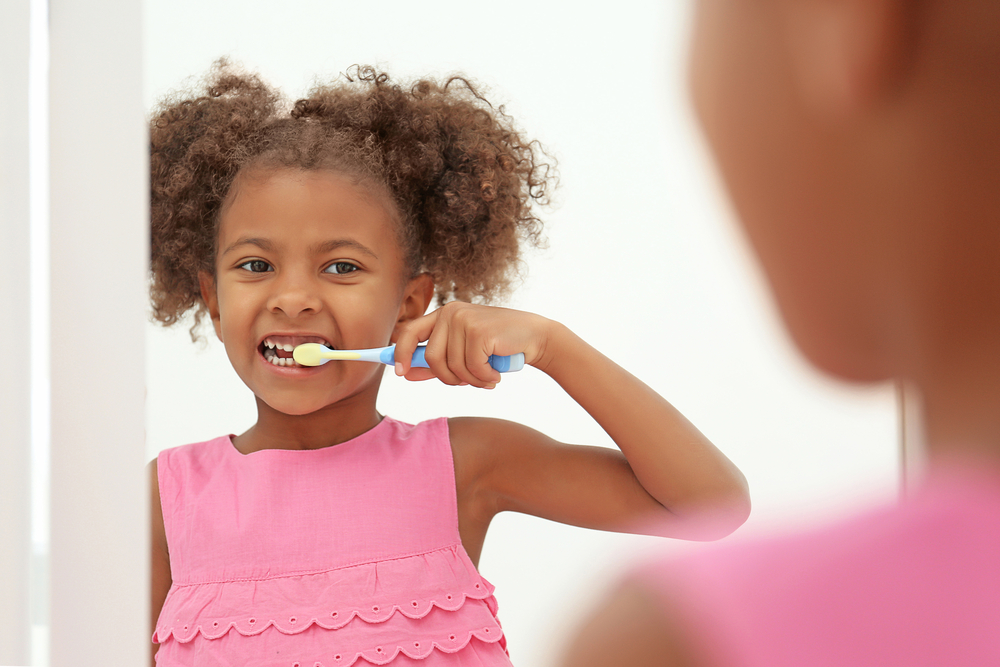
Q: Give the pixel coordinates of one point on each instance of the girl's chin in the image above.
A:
(301, 403)
(298, 392)
(294, 408)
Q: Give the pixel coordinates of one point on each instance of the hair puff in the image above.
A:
(463, 179)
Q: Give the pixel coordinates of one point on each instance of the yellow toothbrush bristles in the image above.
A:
(308, 354)
(313, 354)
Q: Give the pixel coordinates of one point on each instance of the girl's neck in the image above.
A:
(332, 425)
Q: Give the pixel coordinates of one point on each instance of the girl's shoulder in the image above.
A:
(214, 447)
(176, 463)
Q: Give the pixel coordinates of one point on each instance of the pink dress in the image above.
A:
(322, 558)
(916, 584)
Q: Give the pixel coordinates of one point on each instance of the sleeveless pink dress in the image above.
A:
(322, 558)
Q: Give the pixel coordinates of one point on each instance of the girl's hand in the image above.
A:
(462, 336)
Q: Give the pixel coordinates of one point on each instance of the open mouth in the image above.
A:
(277, 350)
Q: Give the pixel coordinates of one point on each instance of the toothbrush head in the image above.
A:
(308, 354)
(314, 354)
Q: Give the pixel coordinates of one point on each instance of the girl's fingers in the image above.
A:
(409, 336)
(437, 353)
(479, 362)
(461, 339)
(420, 374)
(457, 362)
(456, 347)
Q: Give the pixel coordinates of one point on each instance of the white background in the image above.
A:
(644, 262)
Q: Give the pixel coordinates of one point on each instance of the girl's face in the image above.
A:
(307, 256)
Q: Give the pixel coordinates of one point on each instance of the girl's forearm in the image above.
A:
(676, 464)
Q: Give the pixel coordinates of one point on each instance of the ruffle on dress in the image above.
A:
(377, 611)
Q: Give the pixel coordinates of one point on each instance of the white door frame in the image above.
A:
(15, 459)
(98, 256)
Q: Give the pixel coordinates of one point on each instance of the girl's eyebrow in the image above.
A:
(326, 246)
(334, 244)
(263, 244)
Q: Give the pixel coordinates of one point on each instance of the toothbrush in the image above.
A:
(314, 354)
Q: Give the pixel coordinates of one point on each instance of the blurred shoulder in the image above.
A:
(632, 627)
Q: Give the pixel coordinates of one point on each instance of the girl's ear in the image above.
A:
(210, 296)
(417, 296)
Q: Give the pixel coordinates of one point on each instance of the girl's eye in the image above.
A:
(340, 268)
(256, 266)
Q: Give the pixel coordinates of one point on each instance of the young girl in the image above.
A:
(327, 533)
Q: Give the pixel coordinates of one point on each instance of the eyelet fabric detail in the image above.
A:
(408, 587)
(378, 643)
(409, 615)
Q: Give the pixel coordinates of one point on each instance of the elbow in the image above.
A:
(726, 517)
(721, 507)
(729, 510)
(704, 512)
(714, 515)
(708, 524)
(739, 500)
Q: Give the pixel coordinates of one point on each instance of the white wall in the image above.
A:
(15, 516)
(644, 262)
(99, 211)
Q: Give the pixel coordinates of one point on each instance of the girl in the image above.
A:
(327, 533)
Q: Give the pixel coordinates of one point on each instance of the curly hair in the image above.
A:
(463, 179)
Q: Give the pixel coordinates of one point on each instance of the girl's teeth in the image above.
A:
(275, 360)
(271, 355)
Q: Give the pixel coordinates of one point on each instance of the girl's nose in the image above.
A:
(294, 296)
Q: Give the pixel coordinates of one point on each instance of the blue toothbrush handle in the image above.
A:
(508, 364)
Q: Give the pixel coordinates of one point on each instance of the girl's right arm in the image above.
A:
(160, 560)
(668, 479)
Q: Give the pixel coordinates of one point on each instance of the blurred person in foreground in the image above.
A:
(860, 142)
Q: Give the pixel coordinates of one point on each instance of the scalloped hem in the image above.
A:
(319, 654)
(379, 656)
(373, 592)
(294, 627)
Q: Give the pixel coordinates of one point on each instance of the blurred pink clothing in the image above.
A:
(913, 584)
(322, 558)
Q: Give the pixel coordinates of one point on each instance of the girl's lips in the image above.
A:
(276, 349)
(287, 368)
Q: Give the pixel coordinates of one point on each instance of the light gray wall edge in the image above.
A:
(15, 459)
(99, 545)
